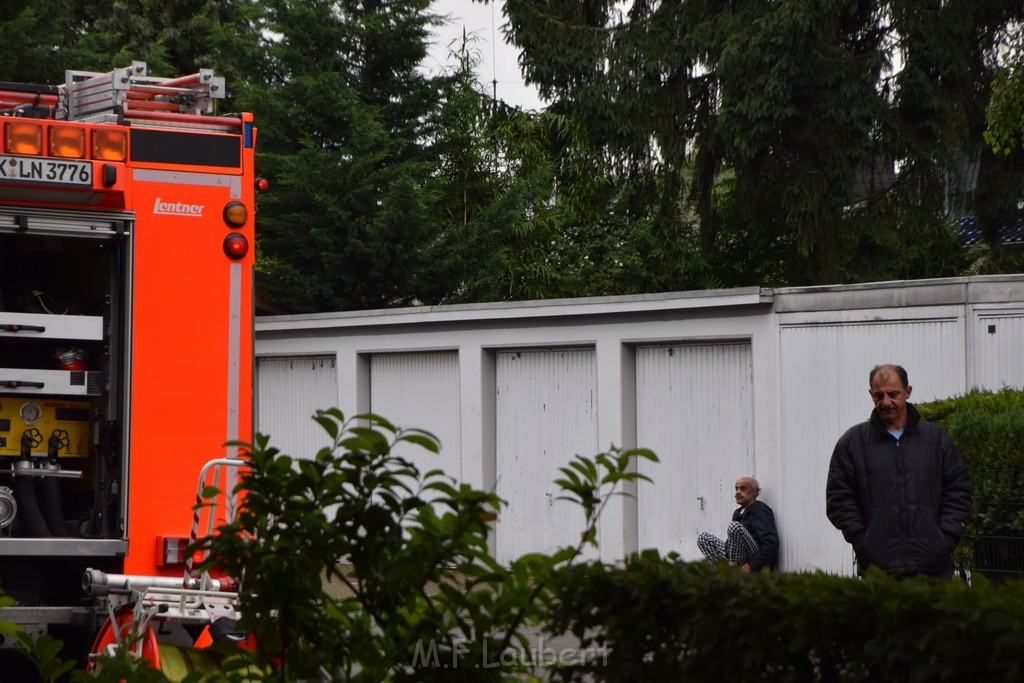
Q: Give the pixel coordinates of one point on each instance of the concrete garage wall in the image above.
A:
(719, 383)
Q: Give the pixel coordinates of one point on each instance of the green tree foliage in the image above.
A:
(41, 39)
(346, 119)
(690, 145)
(30, 35)
(1005, 113)
(531, 211)
(801, 108)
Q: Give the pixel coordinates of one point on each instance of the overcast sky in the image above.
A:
(497, 59)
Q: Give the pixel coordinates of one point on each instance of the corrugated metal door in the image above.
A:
(290, 391)
(546, 413)
(998, 345)
(421, 390)
(824, 391)
(694, 405)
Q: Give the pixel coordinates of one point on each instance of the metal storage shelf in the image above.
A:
(42, 326)
(31, 382)
(63, 547)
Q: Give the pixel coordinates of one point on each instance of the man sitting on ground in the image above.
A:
(751, 542)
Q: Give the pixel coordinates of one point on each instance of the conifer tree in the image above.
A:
(782, 123)
(345, 127)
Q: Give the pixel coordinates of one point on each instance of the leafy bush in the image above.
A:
(659, 620)
(988, 428)
(357, 567)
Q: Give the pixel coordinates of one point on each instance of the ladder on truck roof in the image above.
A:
(124, 93)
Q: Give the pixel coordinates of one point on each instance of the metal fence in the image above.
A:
(997, 557)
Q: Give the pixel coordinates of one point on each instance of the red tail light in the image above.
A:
(236, 246)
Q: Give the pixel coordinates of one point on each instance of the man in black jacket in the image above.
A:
(897, 487)
(752, 542)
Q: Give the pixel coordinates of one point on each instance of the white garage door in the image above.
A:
(289, 392)
(546, 413)
(695, 411)
(421, 391)
(998, 344)
(824, 391)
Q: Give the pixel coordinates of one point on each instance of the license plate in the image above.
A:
(43, 170)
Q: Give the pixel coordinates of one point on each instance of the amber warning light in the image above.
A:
(236, 214)
(33, 138)
(67, 141)
(24, 138)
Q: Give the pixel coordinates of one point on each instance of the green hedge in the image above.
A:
(988, 427)
(661, 620)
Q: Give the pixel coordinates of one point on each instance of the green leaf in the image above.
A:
(329, 425)
(426, 440)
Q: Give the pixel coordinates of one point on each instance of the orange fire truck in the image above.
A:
(126, 325)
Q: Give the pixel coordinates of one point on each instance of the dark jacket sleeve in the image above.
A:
(762, 528)
(956, 492)
(841, 503)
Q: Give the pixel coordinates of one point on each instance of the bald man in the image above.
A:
(751, 542)
(897, 487)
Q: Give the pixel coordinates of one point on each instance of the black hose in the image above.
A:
(28, 507)
(53, 508)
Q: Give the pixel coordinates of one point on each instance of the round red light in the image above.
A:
(236, 246)
(262, 184)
